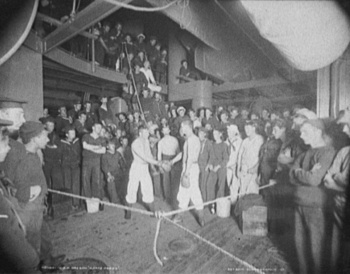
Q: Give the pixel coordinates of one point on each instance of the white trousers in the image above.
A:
(233, 184)
(248, 184)
(139, 174)
(192, 193)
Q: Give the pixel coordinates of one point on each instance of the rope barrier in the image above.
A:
(141, 211)
(165, 215)
(155, 242)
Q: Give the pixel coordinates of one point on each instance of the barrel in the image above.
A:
(223, 207)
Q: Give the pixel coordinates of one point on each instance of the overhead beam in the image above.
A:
(200, 18)
(231, 86)
(50, 84)
(93, 13)
(68, 60)
(294, 99)
(57, 23)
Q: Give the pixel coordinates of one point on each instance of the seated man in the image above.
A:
(311, 211)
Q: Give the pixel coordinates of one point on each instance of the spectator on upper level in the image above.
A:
(151, 50)
(152, 84)
(188, 73)
(140, 58)
(141, 81)
(129, 46)
(162, 67)
(140, 44)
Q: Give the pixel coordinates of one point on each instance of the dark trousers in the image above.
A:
(216, 184)
(91, 173)
(266, 172)
(16, 253)
(112, 191)
(167, 179)
(71, 176)
(53, 175)
(203, 182)
(312, 229)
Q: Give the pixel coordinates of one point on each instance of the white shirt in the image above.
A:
(149, 75)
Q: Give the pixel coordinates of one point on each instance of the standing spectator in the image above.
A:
(217, 168)
(102, 47)
(201, 115)
(196, 122)
(17, 254)
(158, 111)
(117, 36)
(140, 58)
(45, 115)
(29, 180)
(79, 124)
(203, 161)
(179, 119)
(129, 46)
(151, 51)
(224, 120)
(248, 159)
(140, 43)
(187, 73)
(147, 105)
(209, 119)
(312, 214)
(123, 123)
(268, 159)
(62, 120)
(74, 112)
(151, 82)
(234, 142)
(110, 164)
(233, 115)
(337, 179)
(52, 161)
(141, 81)
(92, 150)
(103, 114)
(168, 149)
(71, 163)
(162, 67)
(91, 117)
(139, 172)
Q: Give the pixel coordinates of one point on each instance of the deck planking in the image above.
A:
(127, 245)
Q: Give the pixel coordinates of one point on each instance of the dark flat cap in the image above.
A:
(30, 129)
(5, 122)
(8, 102)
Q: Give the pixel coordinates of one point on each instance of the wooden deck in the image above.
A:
(126, 246)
